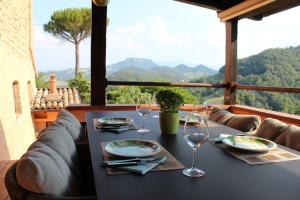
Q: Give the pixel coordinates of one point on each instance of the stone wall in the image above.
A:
(16, 65)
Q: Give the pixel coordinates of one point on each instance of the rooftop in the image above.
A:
(61, 98)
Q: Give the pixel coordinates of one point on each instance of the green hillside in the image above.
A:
(278, 67)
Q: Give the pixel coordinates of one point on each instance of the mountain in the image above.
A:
(158, 73)
(279, 67)
(140, 69)
(131, 62)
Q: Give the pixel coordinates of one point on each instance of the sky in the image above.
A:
(168, 32)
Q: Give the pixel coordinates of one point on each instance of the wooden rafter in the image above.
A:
(242, 8)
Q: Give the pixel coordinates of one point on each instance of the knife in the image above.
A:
(132, 162)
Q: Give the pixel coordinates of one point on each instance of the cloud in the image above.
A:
(39, 36)
(159, 33)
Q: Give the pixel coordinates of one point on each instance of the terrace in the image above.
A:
(229, 13)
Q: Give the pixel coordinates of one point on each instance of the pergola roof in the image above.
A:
(239, 9)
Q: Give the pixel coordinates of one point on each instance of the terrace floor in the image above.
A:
(4, 165)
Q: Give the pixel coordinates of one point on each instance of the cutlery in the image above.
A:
(134, 161)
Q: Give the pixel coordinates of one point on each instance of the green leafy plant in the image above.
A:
(83, 85)
(169, 101)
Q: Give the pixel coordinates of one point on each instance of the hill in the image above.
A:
(140, 69)
(278, 67)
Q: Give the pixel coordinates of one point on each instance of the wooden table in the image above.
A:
(226, 177)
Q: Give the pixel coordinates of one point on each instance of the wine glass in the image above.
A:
(155, 104)
(195, 137)
(143, 107)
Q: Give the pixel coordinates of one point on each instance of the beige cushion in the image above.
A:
(71, 123)
(57, 138)
(271, 129)
(290, 137)
(220, 115)
(42, 170)
(244, 123)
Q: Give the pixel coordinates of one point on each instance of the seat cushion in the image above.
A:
(71, 123)
(290, 137)
(42, 170)
(57, 138)
(244, 123)
(271, 128)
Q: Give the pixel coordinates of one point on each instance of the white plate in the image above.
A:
(115, 120)
(133, 148)
(249, 143)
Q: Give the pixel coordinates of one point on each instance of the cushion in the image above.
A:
(220, 115)
(244, 123)
(290, 137)
(271, 129)
(57, 138)
(42, 170)
(71, 123)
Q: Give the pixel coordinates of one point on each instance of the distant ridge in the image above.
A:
(142, 69)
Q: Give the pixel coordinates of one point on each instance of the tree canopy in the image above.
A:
(72, 25)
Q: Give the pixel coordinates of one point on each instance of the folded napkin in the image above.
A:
(116, 129)
(143, 168)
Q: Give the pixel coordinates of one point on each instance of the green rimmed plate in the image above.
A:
(117, 121)
(249, 143)
(192, 119)
(132, 148)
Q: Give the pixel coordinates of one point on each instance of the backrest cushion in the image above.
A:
(271, 128)
(220, 115)
(290, 137)
(57, 138)
(42, 170)
(244, 123)
(71, 123)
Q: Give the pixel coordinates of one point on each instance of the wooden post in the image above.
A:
(231, 62)
(98, 55)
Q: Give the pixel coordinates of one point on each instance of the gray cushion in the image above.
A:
(57, 138)
(42, 170)
(244, 123)
(71, 123)
(290, 137)
(271, 129)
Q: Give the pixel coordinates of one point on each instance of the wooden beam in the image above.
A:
(268, 88)
(170, 84)
(231, 62)
(242, 8)
(98, 55)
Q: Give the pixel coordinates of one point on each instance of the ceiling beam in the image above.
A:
(242, 8)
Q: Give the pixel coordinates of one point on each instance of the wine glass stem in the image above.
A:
(143, 123)
(194, 155)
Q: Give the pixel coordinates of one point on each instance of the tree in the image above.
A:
(83, 85)
(40, 81)
(72, 25)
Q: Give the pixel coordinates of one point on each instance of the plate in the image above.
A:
(115, 120)
(192, 119)
(132, 148)
(249, 143)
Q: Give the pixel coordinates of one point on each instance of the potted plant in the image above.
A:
(169, 103)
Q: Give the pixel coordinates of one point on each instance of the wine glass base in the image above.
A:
(193, 172)
(143, 130)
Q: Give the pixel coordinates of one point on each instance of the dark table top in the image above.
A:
(226, 177)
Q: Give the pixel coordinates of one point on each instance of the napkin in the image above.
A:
(116, 129)
(143, 168)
